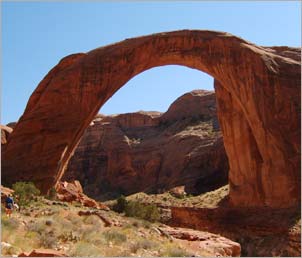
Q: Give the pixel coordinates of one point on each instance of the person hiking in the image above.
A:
(9, 205)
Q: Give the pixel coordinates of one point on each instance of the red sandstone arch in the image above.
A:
(258, 95)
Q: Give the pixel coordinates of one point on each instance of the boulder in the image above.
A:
(72, 191)
(178, 191)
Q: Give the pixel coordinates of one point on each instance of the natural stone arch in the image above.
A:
(258, 96)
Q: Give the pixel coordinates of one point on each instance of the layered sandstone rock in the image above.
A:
(153, 152)
(258, 91)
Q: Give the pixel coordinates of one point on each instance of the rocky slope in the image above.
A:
(262, 232)
(153, 152)
(51, 228)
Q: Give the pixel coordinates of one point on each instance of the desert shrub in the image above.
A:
(36, 226)
(174, 251)
(135, 224)
(148, 212)
(146, 224)
(69, 236)
(77, 204)
(152, 213)
(48, 240)
(123, 253)
(120, 205)
(115, 237)
(85, 249)
(25, 191)
(63, 225)
(134, 248)
(93, 236)
(31, 234)
(52, 194)
(143, 244)
(28, 241)
(10, 224)
(93, 220)
(76, 220)
(9, 250)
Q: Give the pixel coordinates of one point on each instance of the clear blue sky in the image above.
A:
(36, 35)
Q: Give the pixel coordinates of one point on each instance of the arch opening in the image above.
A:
(138, 149)
(155, 89)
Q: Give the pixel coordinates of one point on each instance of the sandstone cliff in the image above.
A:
(152, 152)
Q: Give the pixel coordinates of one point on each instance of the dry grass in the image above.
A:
(61, 228)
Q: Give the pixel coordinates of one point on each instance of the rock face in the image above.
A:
(258, 96)
(150, 152)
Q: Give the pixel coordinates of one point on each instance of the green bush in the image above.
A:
(120, 205)
(25, 192)
(136, 209)
(148, 212)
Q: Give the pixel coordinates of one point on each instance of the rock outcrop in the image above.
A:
(153, 152)
(258, 96)
(72, 191)
(42, 253)
(210, 244)
(5, 132)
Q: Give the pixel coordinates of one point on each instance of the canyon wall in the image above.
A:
(153, 152)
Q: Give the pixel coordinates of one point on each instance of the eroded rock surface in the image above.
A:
(258, 90)
(153, 152)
